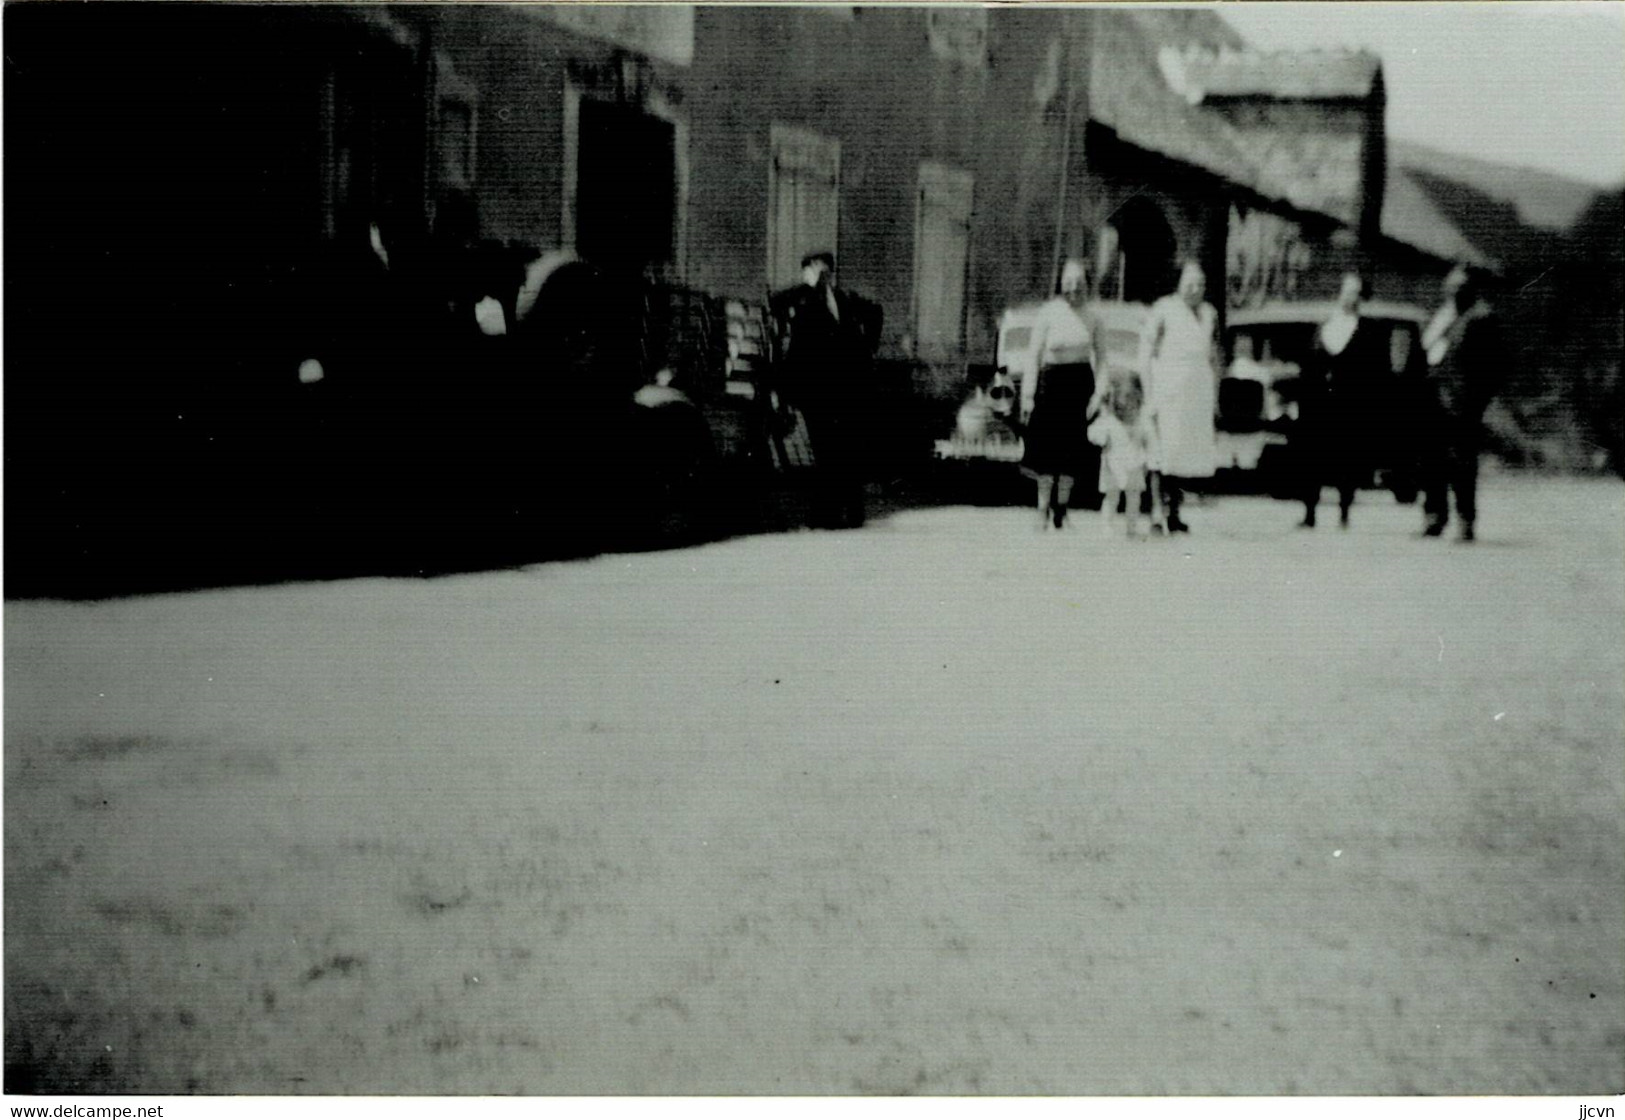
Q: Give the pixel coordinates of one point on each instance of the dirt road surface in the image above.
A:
(941, 806)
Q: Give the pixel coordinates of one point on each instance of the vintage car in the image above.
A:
(1265, 348)
(986, 425)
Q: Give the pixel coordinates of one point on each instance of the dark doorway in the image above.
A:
(1149, 265)
(626, 187)
(376, 122)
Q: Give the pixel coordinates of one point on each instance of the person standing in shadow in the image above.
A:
(829, 339)
(1465, 361)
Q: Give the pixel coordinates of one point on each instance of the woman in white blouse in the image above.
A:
(1055, 403)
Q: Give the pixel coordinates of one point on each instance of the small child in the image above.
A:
(1124, 435)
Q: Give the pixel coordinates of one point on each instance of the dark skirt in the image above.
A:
(1056, 440)
(1336, 438)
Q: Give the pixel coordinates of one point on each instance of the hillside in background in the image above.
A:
(1542, 198)
(1560, 247)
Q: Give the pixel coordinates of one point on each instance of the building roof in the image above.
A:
(1146, 82)
(1127, 93)
(1543, 199)
(1315, 75)
(1158, 77)
(1411, 215)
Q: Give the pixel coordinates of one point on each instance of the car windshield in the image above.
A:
(1292, 342)
(1273, 342)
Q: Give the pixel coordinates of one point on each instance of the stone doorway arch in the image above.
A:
(1140, 253)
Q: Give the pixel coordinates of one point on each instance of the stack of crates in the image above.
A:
(736, 421)
(689, 341)
(721, 351)
(749, 347)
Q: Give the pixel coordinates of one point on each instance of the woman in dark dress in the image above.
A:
(1055, 405)
(1341, 381)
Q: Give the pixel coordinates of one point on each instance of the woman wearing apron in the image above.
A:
(1179, 356)
(1055, 403)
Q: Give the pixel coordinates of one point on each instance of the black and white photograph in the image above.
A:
(623, 551)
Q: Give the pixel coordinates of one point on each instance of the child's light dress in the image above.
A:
(1126, 452)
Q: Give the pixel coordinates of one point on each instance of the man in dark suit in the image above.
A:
(828, 337)
(1465, 361)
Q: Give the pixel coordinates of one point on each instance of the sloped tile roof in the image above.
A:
(1542, 198)
(1412, 216)
(1145, 86)
(1128, 95)
(1138, 87)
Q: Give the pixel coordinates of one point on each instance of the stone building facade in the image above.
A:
(950, 156)
(917, 144)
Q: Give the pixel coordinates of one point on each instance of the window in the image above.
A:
(803, 215)
(626, 186)
(456, 126)
(625, 171)
(941, 251)
(957, 34)
(372, 150)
